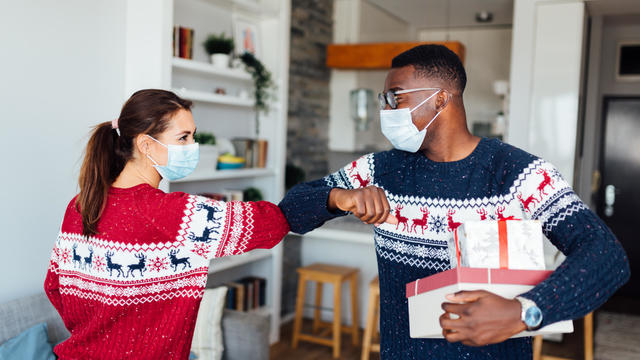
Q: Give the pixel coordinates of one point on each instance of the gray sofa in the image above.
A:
(246, 335)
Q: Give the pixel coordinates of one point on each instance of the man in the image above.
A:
(438, 176)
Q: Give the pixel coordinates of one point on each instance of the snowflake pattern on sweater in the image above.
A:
(431, 199)
(145, 273)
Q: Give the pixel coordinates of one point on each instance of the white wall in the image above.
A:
(62, 71)
(357, 21)
(487, 59)
(546, 69)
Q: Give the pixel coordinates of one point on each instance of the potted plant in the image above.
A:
(208, 150)
(219, 47)
(263, 83)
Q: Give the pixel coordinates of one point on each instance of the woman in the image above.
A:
(129, 267)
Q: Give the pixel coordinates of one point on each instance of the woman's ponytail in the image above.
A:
(101, 166)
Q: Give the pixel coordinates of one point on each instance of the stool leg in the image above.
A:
(297, 326)
(537, 347)
(376, 324)
(337, 303)
(369, 326)
(588, 337)
(354, 309)
(316, 314)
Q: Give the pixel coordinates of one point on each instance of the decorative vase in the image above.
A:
(220, 60)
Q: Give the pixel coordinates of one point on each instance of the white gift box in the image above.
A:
(425, 296)
(512, 244)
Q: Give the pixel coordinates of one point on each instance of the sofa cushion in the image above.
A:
(31, 344)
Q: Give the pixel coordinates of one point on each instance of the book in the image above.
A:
(238, 300)
(233, 195)
(258, 291)
(254, 151)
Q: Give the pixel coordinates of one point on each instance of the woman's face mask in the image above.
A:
(181, 160)
(397, 126)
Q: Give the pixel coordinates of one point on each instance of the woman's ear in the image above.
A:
(143, 144)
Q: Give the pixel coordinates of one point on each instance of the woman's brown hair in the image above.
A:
(146, 112)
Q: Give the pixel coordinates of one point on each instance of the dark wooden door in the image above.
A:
(618, 199)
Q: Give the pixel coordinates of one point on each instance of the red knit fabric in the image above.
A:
(133, 291)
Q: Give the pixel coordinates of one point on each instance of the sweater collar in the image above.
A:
(480, 152)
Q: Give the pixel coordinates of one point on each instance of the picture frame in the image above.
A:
(628, 60)
(246, 37)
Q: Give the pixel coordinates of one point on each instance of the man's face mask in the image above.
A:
(181, 160)
(397, 124)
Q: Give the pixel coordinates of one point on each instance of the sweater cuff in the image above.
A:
(539, 299)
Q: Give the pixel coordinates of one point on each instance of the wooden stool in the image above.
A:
(588, 343)
(373, 318)
(336, 275)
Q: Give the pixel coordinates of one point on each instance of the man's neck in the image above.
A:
(451, 145)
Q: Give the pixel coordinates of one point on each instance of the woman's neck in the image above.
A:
(135, 173)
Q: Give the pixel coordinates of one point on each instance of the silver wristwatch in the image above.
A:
(531, 314)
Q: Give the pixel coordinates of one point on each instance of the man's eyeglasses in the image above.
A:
(390, 98)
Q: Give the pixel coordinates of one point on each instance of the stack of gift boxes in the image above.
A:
(504, 257)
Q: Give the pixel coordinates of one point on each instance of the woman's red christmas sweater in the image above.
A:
(134, 290)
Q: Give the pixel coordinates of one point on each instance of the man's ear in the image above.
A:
(442, 99)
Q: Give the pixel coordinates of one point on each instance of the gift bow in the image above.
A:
(503, 244)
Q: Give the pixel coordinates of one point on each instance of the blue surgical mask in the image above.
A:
(181, 160)
(397, 126)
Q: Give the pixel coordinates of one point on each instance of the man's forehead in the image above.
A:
(402, 78)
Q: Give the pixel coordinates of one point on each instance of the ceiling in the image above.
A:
(433, 13)
(613, 7)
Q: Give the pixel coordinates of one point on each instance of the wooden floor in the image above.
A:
(570, 347)
(309, 351)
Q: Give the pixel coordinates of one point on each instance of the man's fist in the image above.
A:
(368, 204)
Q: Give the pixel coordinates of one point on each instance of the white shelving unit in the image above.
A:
(211, 175)
(150, 64)
(204, 69)
(202, 96)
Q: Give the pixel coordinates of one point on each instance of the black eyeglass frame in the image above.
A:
(389, 97)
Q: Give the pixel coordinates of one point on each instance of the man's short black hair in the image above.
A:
(434, 61)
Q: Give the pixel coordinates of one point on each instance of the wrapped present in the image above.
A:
(512, 244)
(425, 296)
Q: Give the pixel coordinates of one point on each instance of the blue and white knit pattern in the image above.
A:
(431, 199)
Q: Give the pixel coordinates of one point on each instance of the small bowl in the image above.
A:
(229, 166)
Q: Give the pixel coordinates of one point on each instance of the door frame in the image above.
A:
(602, 143)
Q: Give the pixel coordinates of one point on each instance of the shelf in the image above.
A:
(201, 68)
(228, 262)
(255, 8)
(204, 175)
(202, 96)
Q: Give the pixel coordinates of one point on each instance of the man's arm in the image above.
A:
(309, 205)
(595, 267)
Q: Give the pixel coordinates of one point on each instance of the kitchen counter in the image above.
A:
(347, 228)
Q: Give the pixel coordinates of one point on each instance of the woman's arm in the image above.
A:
(214, 229)
(51, 283)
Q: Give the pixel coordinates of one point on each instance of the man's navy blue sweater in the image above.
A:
(495, 180)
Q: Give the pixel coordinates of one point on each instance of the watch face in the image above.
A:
(533, 317)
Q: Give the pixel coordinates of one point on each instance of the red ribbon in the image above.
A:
(503, 244)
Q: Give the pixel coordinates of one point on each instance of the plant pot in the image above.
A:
(208, 157)
(220, 60)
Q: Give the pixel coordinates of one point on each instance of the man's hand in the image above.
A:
(484, 318)
(368, 204)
